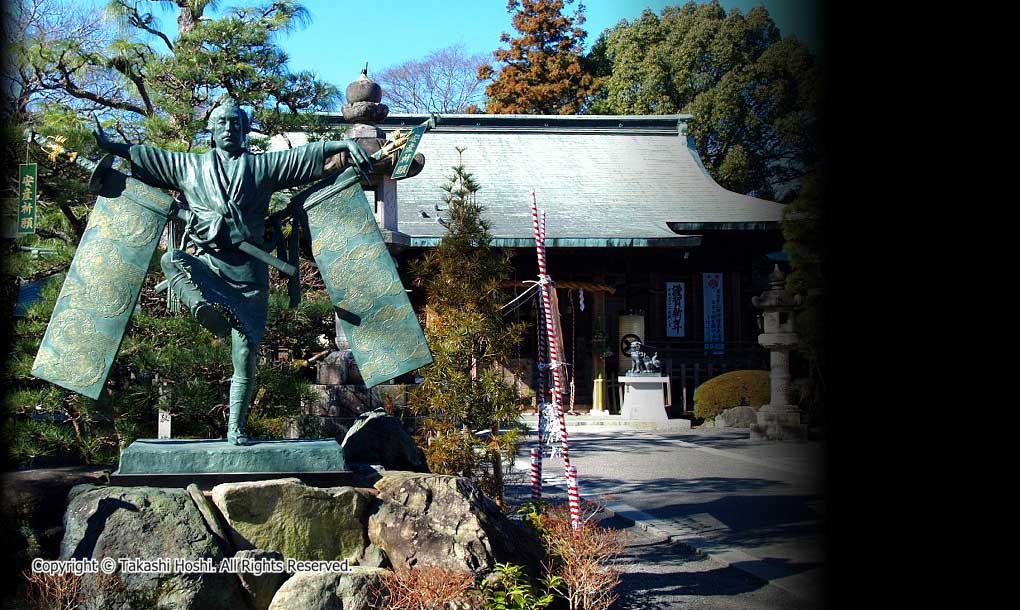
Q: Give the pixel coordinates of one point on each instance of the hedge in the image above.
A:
(733, 389)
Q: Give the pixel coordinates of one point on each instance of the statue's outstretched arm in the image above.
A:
(120, 149)
(359, 156)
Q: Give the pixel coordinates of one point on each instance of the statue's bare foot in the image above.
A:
(213, 319)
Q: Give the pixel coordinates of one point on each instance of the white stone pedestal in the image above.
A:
(645, 397)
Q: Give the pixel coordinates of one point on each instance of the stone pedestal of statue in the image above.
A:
(207, 462)
(645, 397)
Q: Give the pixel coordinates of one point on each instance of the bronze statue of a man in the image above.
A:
(227, 191)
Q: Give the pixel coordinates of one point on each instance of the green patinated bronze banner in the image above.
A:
(102, 285)
(362, 282)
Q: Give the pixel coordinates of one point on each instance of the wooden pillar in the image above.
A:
(598, 323)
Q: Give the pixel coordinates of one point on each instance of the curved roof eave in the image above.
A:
(617, 179)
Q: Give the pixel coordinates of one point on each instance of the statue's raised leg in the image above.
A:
(178, 280)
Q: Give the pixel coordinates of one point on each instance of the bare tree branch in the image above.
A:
(444, 81)
(142, 21)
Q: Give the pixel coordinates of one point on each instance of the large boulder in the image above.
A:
(736, 417)
(261, 588)
(379, 438)
(356, 590)
(149, 523)
(32, 508)
(299, 521)
(445, 521)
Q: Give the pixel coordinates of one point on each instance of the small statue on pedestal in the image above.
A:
(641, 362)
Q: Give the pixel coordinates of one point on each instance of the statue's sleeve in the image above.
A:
(287, 168)
(157, 167)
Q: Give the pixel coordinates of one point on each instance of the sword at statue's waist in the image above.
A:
(251, 250)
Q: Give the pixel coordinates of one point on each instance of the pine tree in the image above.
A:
(464, 389)
(543, 71)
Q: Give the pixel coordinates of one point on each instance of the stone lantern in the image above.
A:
(778, 420)
(364, 111)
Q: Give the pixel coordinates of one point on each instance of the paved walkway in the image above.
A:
(724, 522)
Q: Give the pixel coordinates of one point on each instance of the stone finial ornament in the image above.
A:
(364, 110)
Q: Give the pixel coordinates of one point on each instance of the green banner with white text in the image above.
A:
(27, 175)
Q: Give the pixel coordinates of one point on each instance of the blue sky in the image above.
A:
(343, 35)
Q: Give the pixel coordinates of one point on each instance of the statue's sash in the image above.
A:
(102, 285)
(362, 281)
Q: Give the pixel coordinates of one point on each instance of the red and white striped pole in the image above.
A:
(554, 356)
(556, 332)
(543, 422)
(574, 498)
(545, 339)
(571, 410)
(536, 474)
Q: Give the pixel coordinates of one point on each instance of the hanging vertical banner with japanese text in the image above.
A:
(27, 174)
(713, 291)
(676, 311)
(403, 164)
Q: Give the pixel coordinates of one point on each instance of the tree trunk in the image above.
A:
(77, 224)
(191, 12)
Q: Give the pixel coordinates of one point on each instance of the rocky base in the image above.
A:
(736, 417)
(32, 507)
(378, 438)
(404, 519)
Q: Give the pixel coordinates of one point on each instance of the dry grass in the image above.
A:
(68, 591)
(428, 588)
(583, 558)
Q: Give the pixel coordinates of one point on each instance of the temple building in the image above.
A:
(640, 239)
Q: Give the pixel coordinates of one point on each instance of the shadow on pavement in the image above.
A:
(700, 485)
(774, 568)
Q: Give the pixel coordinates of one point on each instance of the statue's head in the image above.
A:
(229, 125)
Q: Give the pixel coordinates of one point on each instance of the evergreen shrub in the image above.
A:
(733, 389)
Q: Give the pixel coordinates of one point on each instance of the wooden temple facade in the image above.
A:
(640, 239)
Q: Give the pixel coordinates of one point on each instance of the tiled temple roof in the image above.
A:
(603, 180)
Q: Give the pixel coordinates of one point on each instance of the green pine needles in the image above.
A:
(466, 389)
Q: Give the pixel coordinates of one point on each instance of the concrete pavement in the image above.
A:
(746, 507)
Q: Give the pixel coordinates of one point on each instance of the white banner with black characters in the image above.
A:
(676, 309)
(713, 290)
